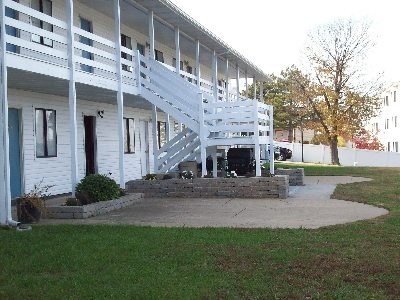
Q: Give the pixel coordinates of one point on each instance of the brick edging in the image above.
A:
(91, 210)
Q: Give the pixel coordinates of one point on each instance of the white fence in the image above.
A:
(347, 156)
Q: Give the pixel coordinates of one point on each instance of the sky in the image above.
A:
(272, 34)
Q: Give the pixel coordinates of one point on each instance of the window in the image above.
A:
(395, 121)
(44, 6)
(161, 133)
(395, 146)
(159, 56)
(387, 124)
(176, 127)
(46, 134)
(126, 42)
(394, 96)
(180, 64)
(13, 14)
(386, 100)
(129, 141)
(86, 26)
(141, 48)
(388, 146)
(189, 69)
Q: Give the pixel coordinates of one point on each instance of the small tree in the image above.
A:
(280, 92)
(335, 89)
(364, 139)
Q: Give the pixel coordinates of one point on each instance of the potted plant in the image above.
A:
(31, 206)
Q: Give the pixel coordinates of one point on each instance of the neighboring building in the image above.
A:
(282, 135)
(92, 87)
(387, 123)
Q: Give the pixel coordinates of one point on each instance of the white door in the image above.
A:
(144, 146)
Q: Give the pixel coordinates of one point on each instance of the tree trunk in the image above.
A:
(290, 131)
(334, 150)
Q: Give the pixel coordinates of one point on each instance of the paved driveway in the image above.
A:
(308, 206)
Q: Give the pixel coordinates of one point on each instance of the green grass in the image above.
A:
(355, 261)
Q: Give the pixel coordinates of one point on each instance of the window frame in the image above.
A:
(159, 56)
(159, 133)
(126, 41)
(42, 40)
(128, 136)
(45, 130)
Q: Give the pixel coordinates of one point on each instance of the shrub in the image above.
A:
(150, 177)
(96, 187)
(72, 202)
(187, 175)
(231, 174)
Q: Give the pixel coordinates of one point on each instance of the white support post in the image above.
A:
(138, 76)
(271, 140)
(72, 96)
(178, 71)
(5, 193)
(120, 95)
(264, 148)
(227, 80)
(237, 82)
(151, 34)
(215, 162)
(255, 88)
(155, 137)
(215, 75)
(256, 140)
(168, 127)
(247, 85)
(198, 73)
(203, 142)
(177, 51)
(154, 108)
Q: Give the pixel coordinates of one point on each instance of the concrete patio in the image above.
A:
(308, 206)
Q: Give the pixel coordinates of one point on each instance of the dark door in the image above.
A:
(90, 144)
(14, 134)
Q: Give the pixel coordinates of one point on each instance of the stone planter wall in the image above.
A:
(253, 187)
(296, 176)
(91, 210)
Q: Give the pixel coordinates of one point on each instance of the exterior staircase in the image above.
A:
(209, 121)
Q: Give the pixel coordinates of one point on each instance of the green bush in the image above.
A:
(96, 187)
(150, 177)
(72, 202)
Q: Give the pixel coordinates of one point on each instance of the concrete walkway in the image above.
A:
(308, 206)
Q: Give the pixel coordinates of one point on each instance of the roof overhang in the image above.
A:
(171, 15)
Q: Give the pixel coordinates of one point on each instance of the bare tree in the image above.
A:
(336, 89)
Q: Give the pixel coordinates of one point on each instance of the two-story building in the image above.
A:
(119, 87)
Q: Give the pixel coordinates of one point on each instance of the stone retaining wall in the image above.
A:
(253, 187)
(296, 176)
(91, 210)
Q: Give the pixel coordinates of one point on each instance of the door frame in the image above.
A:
(21, 148)
(94, 142)
(144, 126)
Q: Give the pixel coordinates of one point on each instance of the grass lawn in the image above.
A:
(355, 261)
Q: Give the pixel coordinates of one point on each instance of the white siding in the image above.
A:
(56, 170)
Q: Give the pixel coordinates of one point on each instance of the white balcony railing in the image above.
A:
(93, 54)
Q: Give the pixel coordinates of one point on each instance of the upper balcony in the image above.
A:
(37, 49)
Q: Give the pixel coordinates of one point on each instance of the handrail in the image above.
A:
(34, 13)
